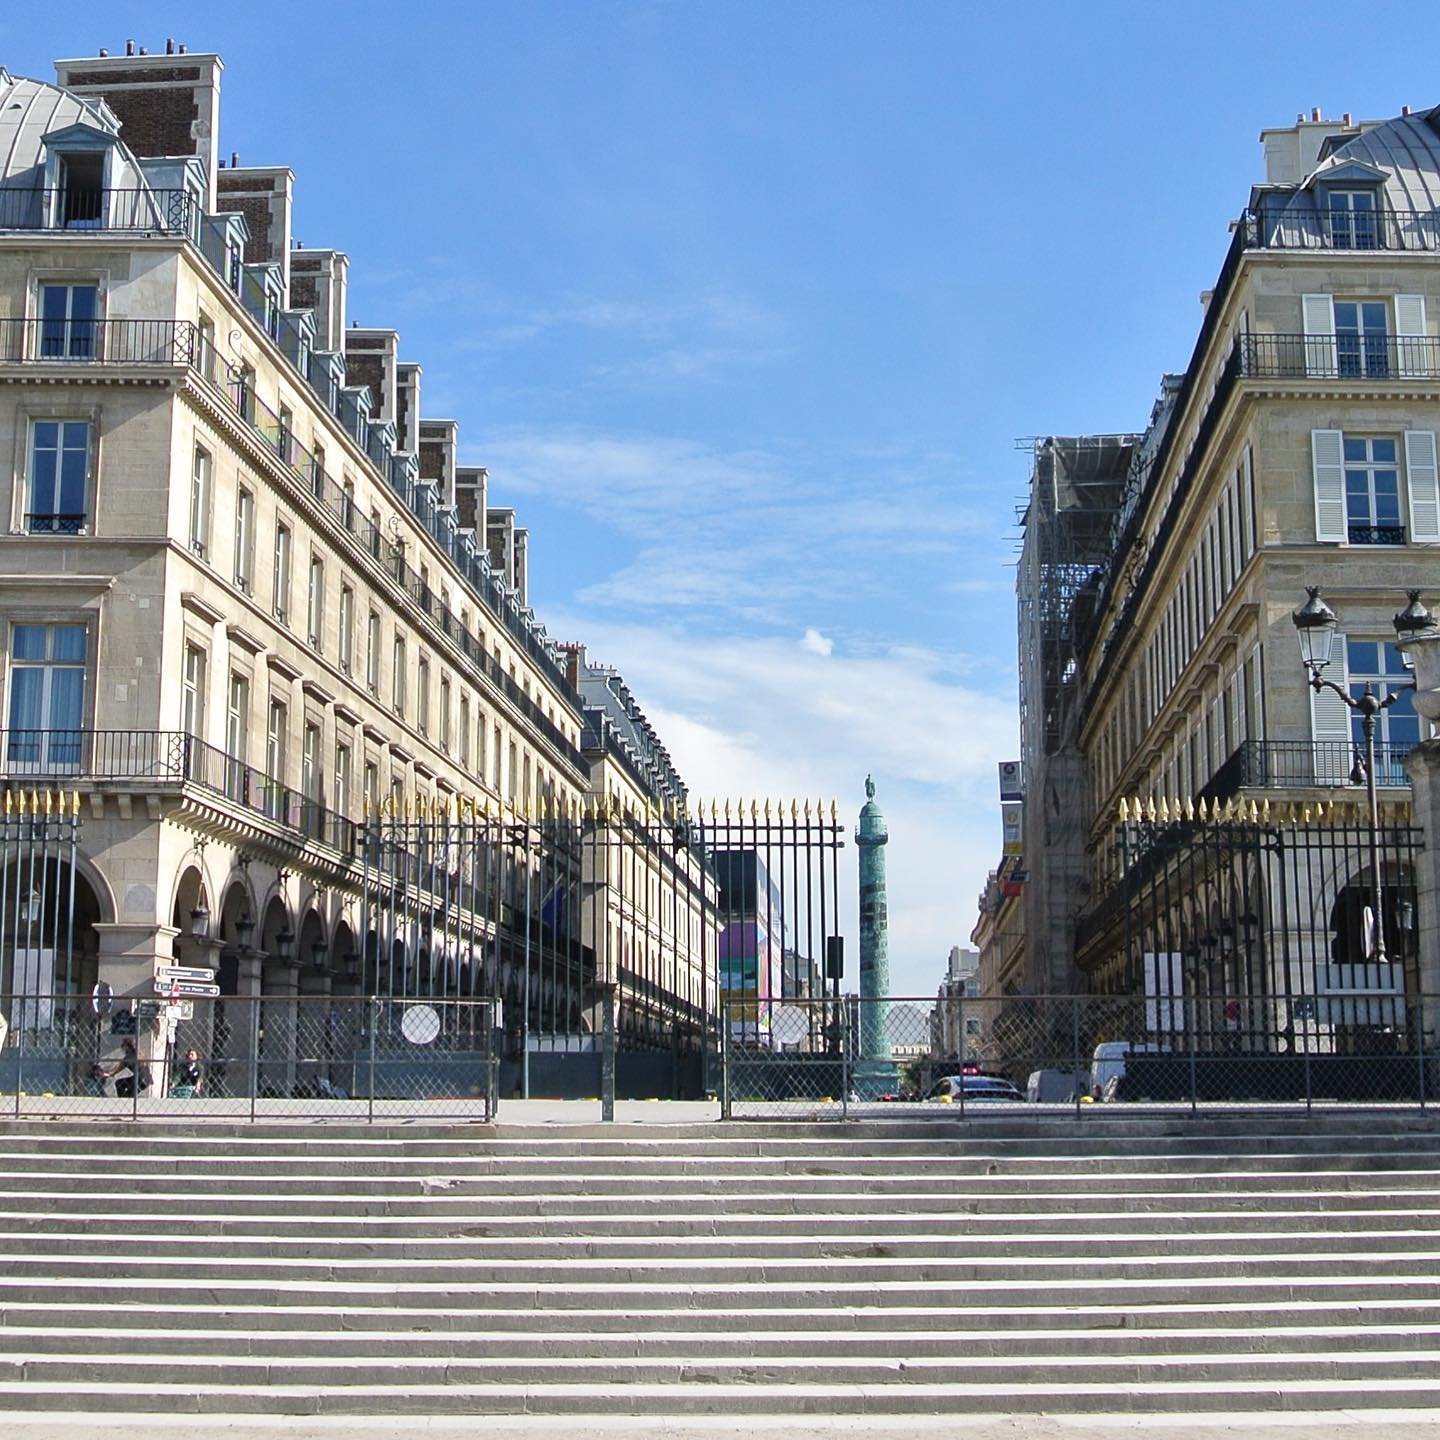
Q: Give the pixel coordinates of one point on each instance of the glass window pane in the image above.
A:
(53, 301)
(1363, 657)
(27, 642)
(1345, 318)
(27, 687)
(67, 697)
(84, 302)
(67, 642)
(1374, 314)
(1384, 451)
(1354, 449)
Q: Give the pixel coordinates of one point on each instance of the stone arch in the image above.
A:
(49, 909)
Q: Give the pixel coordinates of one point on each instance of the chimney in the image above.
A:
(169, 47)
(165, 107)
(1315, 114)
(265, 195)
(1345, 120)
(234, 159)
(1404, 109)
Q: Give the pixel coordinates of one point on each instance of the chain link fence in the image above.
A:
(847, 1057)
(249, 1057)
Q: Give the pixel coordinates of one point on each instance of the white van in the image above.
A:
(1107, 1065)
(1057, 1087)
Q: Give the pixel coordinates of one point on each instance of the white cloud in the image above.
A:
(816, 643)
(758, 716)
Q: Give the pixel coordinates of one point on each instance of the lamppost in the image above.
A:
(1315, 624)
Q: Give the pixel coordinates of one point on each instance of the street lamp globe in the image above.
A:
(1315, 624)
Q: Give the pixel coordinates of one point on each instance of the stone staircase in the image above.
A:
(1107, 1265)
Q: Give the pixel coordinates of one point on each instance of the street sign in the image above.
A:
(174, 988)
(196, 974)
(180, 1010)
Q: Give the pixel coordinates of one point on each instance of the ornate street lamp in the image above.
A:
(1315, 624)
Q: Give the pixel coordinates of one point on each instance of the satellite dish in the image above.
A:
(790, 1024)
(420, 1024)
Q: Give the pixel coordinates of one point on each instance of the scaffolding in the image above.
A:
(1077, 485)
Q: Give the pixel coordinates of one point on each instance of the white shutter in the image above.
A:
(1423, 483)
(1319, 316)
(1330, 723)
(1327, 454)
(1410, 341)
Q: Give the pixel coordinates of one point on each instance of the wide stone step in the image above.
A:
(623, 1372)
(1316, 1220)
(376, 1255)
(1034, 1345)
(1170, 1282)
(1004, 1318)
(1274, 1393)
(441, 1203)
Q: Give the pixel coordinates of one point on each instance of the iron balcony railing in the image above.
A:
(166, 212)
(169, 756)
(1339, 357)
(100, 342)
(1320, 229)
(1303, 764)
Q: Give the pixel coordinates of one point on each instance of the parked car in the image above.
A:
(975, 1089)
(1056, 1087)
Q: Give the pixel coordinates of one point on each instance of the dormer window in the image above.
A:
(81, 199)
(1353, 220)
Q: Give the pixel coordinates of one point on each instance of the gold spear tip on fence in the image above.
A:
(1164, 810)
(834, 812)
(75, 804)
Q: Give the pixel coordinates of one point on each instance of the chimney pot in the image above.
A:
(1345, 120)
(144, 51)
(103, 54)
(1315, 113)
(129, 47)
(169, 46)
(1404, 109)
(234, 159)
(184, 49)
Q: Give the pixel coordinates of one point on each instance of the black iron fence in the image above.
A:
(80, 208)
(1339, 357)
(1092, 1056)
(1296, 228)
(102, 342)
(252, 1057)
(1303, 764)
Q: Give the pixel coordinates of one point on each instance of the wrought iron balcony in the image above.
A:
(1301, 765)
(163, 212)
(98, 342)
(63, 757)
(1339, 357)
(1340, 230)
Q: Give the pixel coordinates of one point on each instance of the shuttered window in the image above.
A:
(1328, 461)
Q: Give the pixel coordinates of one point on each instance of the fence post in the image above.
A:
(492, 1065)
(1075, 1042)
(254, 1056)
(1191, 1027)
(18, 1012)
(1420, 1043)
(374, 1018)
(845, 1057)
(607, 1053)
(725, 1113)
(1306, 1053)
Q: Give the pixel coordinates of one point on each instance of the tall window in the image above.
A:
(1353, 221)
(445, 736)
(397, 676)
(422, 694)
(192, 700)
(285, 436)
(347, 627)
(341, 798)
(465, 732)
(47, 695)
(1362, 338)
(1372, 491)
(315, 603)
(244, 538)
(277, 734)
(375, 533)
(68, 322)
(200, 501)
(280, 592)
(59, 468)
(206, 357)
(1379, 663)
(317, 470)
(347, 505)
(372, 653)
(495, 759)
(372, 788)
(237, 737)
(310, 761)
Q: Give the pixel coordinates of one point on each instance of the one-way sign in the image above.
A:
(196, 974)
(185, 987)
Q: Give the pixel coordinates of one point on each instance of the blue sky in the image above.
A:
(744, 304)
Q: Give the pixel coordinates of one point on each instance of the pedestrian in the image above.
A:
(189, 1075)
(128, 1073)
